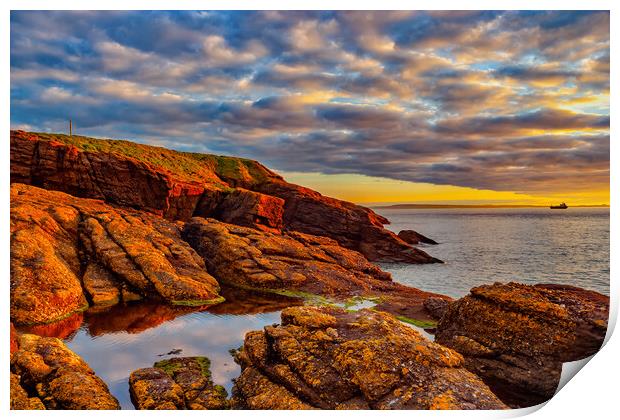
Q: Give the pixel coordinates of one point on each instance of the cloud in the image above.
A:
(486, 99)
(547, 119)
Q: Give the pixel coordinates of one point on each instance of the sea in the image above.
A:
(487, 245)
(478, 246)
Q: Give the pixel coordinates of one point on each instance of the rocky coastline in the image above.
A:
(99, 224)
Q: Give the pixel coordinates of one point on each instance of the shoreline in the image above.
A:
(119, 229)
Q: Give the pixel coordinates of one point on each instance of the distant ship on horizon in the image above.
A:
(561, 206)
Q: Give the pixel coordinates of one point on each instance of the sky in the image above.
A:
(420, 106)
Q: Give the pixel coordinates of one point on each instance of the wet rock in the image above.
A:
(45, 371)
(297, 262)
(180, 185)
(516, 336)
(178, 383)
(54, 235)
(412, 237)
(333, 359)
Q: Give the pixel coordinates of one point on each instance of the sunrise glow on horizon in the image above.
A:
(371, 107)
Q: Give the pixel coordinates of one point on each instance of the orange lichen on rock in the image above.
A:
(54, 235)
(516, 336)
(153, 389)
(20, 400)
(45, 373)
(294, 261)
(338, 360)
(177, 384)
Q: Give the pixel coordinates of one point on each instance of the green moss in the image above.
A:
(417, 322)
(219, 299)
(205, 366)
(360, 300)
(169, 366)
(221, 391)
(186, 165)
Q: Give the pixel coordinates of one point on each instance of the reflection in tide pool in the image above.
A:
(114, 356)
(116, 341)
(128, 337)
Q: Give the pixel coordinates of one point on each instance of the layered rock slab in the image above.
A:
(177, 384)
(352, 226)
(333, 359)
(516, 336)
(179, 185)
(412, 237)
(67, 251)
(45, 374)
(294, 261)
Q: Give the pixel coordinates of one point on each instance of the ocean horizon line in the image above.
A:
(455, 206)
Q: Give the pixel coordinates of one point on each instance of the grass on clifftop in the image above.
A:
(187, 166)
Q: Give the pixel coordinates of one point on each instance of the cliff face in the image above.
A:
(179, 185)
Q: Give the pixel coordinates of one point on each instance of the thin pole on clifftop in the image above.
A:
(70, 128)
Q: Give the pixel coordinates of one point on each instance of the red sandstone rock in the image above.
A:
(412, 237)
(116, 178)
(333, 359)
(46, 374)
(54, 235)
(249, 208)
(516, 337)
(180, 383)
(180, 185)
(249, 258)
